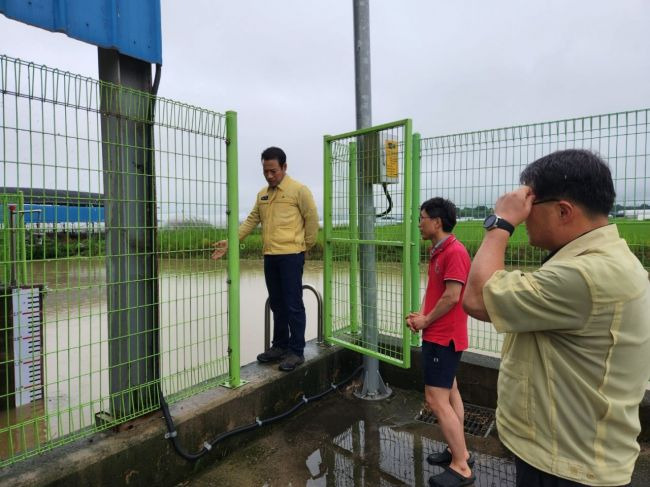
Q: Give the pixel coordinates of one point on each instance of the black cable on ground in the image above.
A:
(172, 434)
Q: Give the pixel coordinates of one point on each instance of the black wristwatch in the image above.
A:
(495, 221)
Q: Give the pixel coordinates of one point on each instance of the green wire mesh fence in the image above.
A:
(107, 291)
(367, 240)
(473, 169)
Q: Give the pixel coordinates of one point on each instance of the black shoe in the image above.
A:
(273, 354)
(444, 458)
(291, 362)
(451, 478)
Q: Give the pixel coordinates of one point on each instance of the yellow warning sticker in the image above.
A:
(391, 158)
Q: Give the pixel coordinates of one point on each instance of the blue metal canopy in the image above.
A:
(130, 26)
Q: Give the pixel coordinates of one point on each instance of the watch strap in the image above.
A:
(504, 225)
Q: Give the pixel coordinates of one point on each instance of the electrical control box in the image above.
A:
(380, 159)
(389, 162)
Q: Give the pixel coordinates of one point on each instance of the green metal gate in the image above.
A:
(368, 227)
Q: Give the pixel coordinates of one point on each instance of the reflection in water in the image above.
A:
(368, 454)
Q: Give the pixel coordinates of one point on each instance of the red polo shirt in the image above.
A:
(449, 262)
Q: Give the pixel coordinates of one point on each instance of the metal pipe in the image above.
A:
(361, 12)
(267, 318)
(373, 385)
(319, 304)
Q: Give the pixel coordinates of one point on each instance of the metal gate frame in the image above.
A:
(406, 240)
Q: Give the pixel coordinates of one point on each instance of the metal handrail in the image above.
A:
(267, 318)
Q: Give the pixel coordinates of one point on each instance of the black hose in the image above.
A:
(390, 202)
(207, 446)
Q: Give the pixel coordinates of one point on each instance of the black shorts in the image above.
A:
(439, 364)
(529, 476)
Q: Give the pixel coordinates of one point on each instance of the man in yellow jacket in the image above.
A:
(289, 219)
(574, 364)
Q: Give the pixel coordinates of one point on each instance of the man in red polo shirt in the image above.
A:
(444, 337)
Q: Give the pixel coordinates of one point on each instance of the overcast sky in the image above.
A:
(287, 67)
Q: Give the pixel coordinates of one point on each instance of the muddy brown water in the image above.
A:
(193, 330)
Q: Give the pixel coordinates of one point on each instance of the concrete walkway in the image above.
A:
(343, 441)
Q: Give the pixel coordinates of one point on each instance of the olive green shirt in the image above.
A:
(576, 359)
(288, 215)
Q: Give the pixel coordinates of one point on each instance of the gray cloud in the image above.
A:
(287, 67)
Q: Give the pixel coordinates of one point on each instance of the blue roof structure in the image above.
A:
(56, 206)
(54, 214)
(130, 26)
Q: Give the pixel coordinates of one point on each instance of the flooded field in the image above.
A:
(193, 332)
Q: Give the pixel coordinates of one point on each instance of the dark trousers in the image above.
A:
(283, 274)
(529, 476)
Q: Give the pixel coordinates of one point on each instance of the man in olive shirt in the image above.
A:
(575, 360)
(289, 219)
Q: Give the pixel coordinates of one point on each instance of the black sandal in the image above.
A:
(451, 478)
(444, 458)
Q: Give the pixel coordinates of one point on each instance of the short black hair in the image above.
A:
(577, 175)
(274, 153)
(443, 209)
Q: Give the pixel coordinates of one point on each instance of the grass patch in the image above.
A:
(195, 240)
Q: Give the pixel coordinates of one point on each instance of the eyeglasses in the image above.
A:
(546, 200)
(420, 218)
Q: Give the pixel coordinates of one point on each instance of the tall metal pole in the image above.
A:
(362, 63)
(373, 385)
(130, 209)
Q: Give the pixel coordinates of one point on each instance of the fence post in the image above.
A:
(327, 235)
(5, 241)
(354, 235)
(234, 379)
(415, 234)
(131, 223)
(407, 250)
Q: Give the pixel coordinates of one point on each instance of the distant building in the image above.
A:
(57, 210)
(637, 214)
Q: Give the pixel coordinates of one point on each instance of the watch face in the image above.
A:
(490, 221)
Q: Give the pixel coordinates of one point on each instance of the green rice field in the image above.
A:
(196, 241)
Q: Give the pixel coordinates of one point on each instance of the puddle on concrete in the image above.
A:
(386, 456)
(343, 441)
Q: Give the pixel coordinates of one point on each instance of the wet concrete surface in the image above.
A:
(344, 441)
